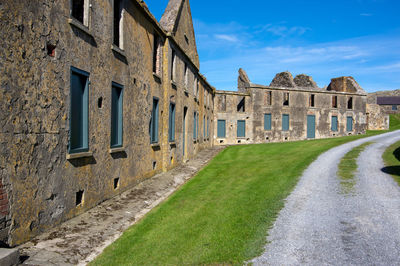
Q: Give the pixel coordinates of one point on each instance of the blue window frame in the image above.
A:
(241, 128)
(195, 125)
(221, 128)
(267, 122)
(79, 111)
(334, 126)
(394, 107)
(154, 122)
(349, 123)
(285, 122)
(171, 123)
(117, 92)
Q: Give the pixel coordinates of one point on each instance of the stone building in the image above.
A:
(289, 109)
(95, 97)
(389, 104)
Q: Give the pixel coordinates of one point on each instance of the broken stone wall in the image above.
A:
(377, 119)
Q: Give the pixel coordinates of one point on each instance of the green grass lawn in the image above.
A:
(222, 215)
(391, 157)
(347, 168)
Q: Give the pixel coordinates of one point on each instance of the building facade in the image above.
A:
(95, 97)
(289, 109)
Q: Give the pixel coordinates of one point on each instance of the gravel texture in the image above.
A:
(324, 224)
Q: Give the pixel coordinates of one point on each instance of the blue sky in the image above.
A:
(321, 38)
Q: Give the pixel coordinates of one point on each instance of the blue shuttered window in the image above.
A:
(79, 112)
(154, 122)
(171, 123)
(194, 126)
(221, 128)
(334, 126)
(208, 127)
(241, 128)
(285, 122)
(267, 121)
(349, 123)
(116, 115)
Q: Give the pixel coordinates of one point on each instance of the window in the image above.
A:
(79, 111)
(80, 11)
(285, 122)
(154, 122)
(312, 100)
(186, 74)
(394, 107)
(173, 65)
(241, 128)
(222, 106)
(195, 87)
(241, 105)
(268, 98)
(195, 125)
(221, 128)
(349, 123)
(334, 126)
(286, 98)
(334, 102)
(171, 123)
(116, 115)
(350, 103)
(118, 23)
(157, 54)
(267, 122)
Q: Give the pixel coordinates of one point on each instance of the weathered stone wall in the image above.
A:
(270, 100)
(377, 119)
(231, 115)
(40, 183)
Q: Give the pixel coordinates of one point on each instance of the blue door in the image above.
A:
(334, 126)
(349, 123)
(241, 128)
(310, 126)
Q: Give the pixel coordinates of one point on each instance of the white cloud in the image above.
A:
(284, 31)
(226, 37)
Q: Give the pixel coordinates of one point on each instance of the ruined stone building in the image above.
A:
(95, 97)
(289, 109)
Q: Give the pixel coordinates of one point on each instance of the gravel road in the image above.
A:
(325, 222)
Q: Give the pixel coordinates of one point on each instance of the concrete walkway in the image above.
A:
(81, 239)
(327, 222)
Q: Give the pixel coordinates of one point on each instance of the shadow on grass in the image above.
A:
(392, 170)
(396, 153)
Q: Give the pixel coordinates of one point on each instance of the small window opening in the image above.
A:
(186, 75)
(241, 105)
(79, 197)
(312, 100)
(117, 23)
(173, 62)
(186, 39)
(51, 50)
(286, 98)
(221, 141)
(156, 54)
(100, 102)
(116, 183)
(223, 103)
(172, 159)
(239, 141)
(350, 103)
(394, 107)
(78, 10)
(267, 138)
(286, 138)
(268, 98)
(154, 165)
(334, 101)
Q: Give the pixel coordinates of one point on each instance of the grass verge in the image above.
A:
(222, 215)
(347, 168)
(391, 157)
